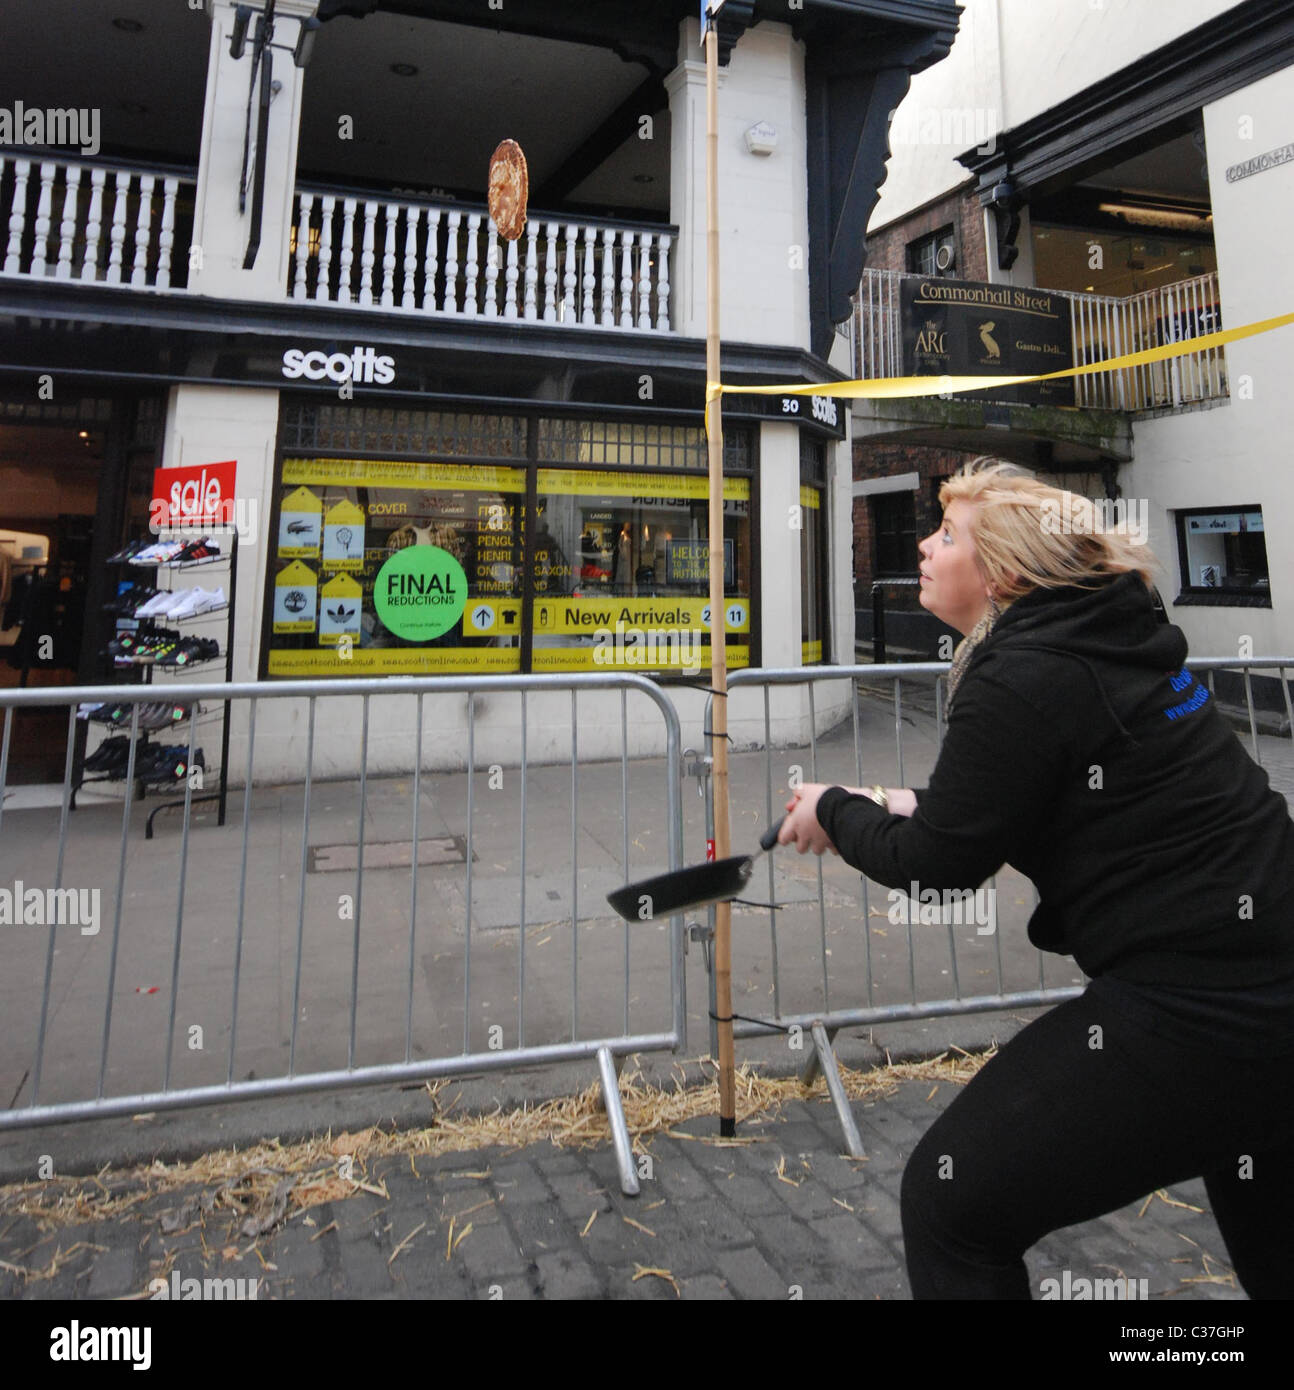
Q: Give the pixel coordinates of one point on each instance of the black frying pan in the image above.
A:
(666, 894)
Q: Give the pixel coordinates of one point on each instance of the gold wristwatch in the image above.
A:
(880, 796)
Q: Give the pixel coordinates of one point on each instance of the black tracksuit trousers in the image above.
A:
(1086, 1111)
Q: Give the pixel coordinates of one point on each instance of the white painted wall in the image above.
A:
(1012, 60)
(763, 199)
(1239, 454)
(219, 230)
(209, 424)
(779, 595)
(840, 503)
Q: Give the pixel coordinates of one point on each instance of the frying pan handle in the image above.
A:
(769, 838)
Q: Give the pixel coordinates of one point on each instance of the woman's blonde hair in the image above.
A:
(1029, 535)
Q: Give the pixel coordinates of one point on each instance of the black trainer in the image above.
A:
(111, 756)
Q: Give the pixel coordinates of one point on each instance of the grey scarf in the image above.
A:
(967, 648)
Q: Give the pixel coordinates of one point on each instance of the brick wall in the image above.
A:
(881, 460)
(887, 248)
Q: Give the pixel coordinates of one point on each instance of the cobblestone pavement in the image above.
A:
(780, 1215)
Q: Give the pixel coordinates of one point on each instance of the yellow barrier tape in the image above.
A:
(897, 387)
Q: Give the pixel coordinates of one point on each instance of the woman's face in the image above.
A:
(952, 587)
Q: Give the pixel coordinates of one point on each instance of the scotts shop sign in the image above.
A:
(361, 364)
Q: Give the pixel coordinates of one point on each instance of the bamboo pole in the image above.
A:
(718, 653)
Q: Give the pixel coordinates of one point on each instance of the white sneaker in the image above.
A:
(156, 606)
(212, 599)
(188, 604)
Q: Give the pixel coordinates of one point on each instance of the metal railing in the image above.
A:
(106, 224)
(1104, 327)
(331, 935)
(284, 960)
(380, 252)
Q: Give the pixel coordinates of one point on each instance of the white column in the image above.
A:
(93, 225)
(17, 215)
(550, 274)
(763, 199)
(430, 260)
(218, 227)
(67, 228)
(779, 589)
(305, 206)
(412, 217)
(208, 423)
(143, 226)
(686, 88)
(322, 286)
(42, 224)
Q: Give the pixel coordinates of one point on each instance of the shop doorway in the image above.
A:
(71, 478)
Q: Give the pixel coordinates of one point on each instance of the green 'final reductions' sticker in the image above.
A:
(420, 592)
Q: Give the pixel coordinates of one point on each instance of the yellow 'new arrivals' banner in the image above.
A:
(568, 483)
(589, 615)
(486, 617)
(482, 477)
(396, 661)
(895, 387)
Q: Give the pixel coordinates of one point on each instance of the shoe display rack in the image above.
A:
(172, 615)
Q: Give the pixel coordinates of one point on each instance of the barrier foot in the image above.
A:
(812, 1067)
(826, 1059)
(619, 1129)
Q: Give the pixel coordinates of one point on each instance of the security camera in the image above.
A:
(1003, 192)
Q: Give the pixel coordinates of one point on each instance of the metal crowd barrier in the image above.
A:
(305, 971)
(807, 1008)
(239, 932)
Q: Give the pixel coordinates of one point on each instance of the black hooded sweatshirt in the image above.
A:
(1081, 751)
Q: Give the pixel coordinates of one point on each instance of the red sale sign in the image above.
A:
(201, 495)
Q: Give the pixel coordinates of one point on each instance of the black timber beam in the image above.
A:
(1158, 96)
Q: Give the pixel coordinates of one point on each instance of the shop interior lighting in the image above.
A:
(1168, 219)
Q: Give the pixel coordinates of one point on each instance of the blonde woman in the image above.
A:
(1080, 749)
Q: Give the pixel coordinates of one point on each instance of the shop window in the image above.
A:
(602, 444)
(617, 576)
(622, 571)
(935, 254)
(336, 607)
(1101, 260)
(1223, 556)
(894, 526)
